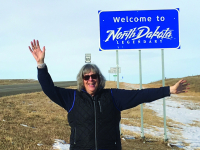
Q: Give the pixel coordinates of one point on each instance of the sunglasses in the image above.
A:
(87, 77)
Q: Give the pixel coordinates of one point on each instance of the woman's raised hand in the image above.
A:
(179, 87)
(37, 53)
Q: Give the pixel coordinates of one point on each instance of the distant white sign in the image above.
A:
(114, 70)
(87, 58)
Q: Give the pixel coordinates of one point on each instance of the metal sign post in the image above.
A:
(109, 74)
(117, 63)
(141, 105)
(164, 106)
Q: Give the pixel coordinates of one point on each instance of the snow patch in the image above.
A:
(23, 125)
(151, 131)
(177, 110)
(60, 145)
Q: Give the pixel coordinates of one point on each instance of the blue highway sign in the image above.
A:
(139, 29)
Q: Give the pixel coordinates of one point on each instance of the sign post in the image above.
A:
(164, 105)
(138, 30)
(109, 74)
(117, 62)
(141, 105)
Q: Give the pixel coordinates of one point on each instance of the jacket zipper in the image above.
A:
(95, 115)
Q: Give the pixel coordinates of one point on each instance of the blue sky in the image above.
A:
(70, 28)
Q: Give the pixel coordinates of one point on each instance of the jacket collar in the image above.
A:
(98, 90)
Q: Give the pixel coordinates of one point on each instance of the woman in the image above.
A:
(94, 112)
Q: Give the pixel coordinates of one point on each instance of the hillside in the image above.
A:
(194, 82)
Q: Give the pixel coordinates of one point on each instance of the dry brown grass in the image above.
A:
(194, 82)
(191, 96)
(150, 117)
(195, 124)
(47, 121)
(16, 81)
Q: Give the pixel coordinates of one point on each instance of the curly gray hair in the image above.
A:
(87, 68)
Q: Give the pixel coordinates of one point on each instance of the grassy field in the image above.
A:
(193, 92)
(27, 120)
(17, 81)
(194, 82)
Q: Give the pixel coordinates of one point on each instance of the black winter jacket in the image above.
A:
(94, 122)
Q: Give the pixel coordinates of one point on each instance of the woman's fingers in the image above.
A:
(34, 44)
(43, 49)
(38, 45)
(184, 88)
(37, 53)
(30, 49)
(182, 81)
(180, 87)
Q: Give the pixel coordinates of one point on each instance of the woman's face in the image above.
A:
(91, 83)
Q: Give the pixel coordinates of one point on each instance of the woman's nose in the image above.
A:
(90, 78)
